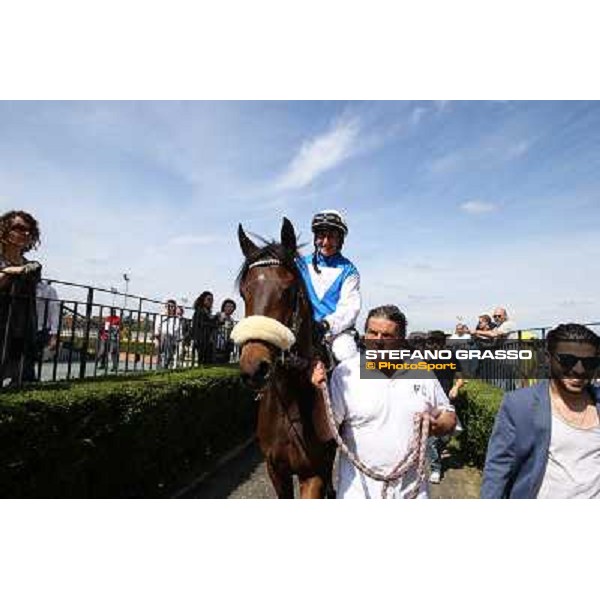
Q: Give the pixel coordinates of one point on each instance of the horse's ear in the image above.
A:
(288, 236)
(246, 244)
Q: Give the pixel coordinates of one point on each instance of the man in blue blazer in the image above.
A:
(546, 439)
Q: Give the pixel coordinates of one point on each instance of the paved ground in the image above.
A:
(245, 476)
(459, 481)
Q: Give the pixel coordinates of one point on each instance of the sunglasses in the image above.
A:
(498, 316)
(568, 361)
(21, 228)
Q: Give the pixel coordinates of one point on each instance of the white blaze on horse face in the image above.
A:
(261, 277)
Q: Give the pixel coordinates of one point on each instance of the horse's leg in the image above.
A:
(282, 482)
(312, 488)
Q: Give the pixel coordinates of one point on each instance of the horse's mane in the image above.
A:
(272, 250)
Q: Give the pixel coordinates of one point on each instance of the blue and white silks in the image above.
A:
(334, 293)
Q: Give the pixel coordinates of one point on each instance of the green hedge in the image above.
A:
(477, 406)
(140, 436)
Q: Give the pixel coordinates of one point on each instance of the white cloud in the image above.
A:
(319, 155)
(477, 207)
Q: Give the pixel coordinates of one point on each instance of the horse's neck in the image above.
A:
(305, 334)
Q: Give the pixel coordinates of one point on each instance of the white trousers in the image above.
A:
(344, 346)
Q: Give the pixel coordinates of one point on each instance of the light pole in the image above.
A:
(126, 278)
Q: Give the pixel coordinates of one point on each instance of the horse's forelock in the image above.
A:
(272, 250)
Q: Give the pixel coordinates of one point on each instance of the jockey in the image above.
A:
(333, 283)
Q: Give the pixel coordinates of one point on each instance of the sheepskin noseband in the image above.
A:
(265, 329)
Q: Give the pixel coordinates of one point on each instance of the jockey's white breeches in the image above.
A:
(343, 346)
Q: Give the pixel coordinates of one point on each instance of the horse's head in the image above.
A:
(271, 286)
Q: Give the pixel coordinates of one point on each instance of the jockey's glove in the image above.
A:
(322, 328)
(32, 268)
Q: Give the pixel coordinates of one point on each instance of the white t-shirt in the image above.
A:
(509, 329)
(377, 424)
(167, 325)
(573, 468)
(465, 337)
(48, 307)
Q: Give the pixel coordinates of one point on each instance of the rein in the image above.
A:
(287, 359)
(415, 456)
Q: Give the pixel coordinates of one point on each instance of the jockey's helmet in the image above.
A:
(329, 219)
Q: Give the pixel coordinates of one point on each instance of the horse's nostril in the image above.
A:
(263, 370)
(259, 377)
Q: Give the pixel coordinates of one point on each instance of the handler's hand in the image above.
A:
(442, 422)
(319, 374)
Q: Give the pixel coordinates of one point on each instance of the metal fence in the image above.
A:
(48, 338)
(511, 374)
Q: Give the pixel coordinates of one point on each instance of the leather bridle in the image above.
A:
(286, 358)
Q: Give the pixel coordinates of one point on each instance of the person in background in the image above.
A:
(183, 337)
(19, 233)
(48, 318)
(451, 381)
(546, 438)
(48, 315)
(504, 328)
(461, 333)
(203, 328)
(417, 340)
(166, 334)
(223, 343)
(109, 337)
(484, 323)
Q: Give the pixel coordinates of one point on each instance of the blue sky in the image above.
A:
(453, 207)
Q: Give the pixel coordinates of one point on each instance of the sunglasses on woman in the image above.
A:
(568, 362)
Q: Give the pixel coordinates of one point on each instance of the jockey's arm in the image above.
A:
(348, 307)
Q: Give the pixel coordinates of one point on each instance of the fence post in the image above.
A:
(86, 336)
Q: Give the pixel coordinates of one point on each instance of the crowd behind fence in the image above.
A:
(513, 373)
(89, 336)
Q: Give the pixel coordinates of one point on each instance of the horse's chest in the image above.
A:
(282, 438)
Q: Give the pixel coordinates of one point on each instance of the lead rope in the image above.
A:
(415, 456)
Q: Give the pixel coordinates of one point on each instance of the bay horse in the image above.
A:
(276, 351)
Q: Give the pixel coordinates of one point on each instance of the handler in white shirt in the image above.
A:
(376, 415)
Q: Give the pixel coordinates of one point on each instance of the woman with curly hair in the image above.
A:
(19, 233)
(225, 323)
(204, 325)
